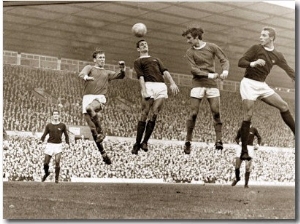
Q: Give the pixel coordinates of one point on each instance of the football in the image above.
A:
(139, 29)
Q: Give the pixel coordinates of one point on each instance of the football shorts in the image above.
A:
(87, 99)
(238, 150)
(252, 90)
(200, 92)
(53, 149)
(156, 90)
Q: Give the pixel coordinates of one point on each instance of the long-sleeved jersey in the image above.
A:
(151, 68)
(260, 73)
(202, 62)
(102, 77)
(55, 132)
(252, 132)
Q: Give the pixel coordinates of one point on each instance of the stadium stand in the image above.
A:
(30, 94)
(165, 160)
(25, 110)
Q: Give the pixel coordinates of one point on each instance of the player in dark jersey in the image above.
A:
(258, 61)
(201, 57)
(96, 81)
(55, 129)
(248, 164)
(151, 74)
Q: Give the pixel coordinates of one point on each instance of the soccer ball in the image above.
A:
(139, 29)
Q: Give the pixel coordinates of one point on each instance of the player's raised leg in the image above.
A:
(146, 105)
(276, 101)
(92, 110)
(156, 108)
(190, 123)
(214, 103)
(105, 157)
(248, 106)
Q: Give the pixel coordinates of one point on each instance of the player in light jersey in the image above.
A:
(258, 62)
(54, 146)
(248, 164)
(201, 57)
(151, 74)
(96, 80)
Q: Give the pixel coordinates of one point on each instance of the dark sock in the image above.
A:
(46, 168)
(57, 169)
(218, 129)
(244, 135)
(91, 125)
(190, 125)
(247, 175)
(140, 131)
(237, 173)
(149, 129)
(100, 148)
(97, 123)
(289, 120)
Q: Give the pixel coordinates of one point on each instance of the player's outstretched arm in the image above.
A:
(66, 134)
(46, 131)
(174, 88)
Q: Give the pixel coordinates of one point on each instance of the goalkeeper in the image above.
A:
(248, 164)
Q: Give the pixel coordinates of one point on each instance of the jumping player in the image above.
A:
(55, 129)
(248, 164)
(151, 74)
(201, 57)
(258, 62)
(96, 81)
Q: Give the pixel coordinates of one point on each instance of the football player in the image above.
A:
(248, 163)
(258, 62)
(54, 129)
(201, 57)
(96, 81)
(151, 74)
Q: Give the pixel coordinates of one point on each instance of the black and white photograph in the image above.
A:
(149, 111)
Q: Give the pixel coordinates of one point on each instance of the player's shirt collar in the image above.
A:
(145, 56)
(269, 49)
(98, 67)
(198, 48)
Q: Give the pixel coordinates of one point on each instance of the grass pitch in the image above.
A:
(33, 200)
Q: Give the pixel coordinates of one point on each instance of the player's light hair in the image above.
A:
(96, 52)
(194, 32)
(272, 32)
(138, 43)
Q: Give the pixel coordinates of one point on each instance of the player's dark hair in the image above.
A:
(55, 111)
(138, 43)
(97, 52)
(272, 32)
(194, 32)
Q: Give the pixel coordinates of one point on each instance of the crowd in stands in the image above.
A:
(23, 111)
(23, 161)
